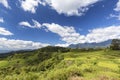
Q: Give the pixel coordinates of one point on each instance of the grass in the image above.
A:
(109, 65)
(84, 65)
(3, 63)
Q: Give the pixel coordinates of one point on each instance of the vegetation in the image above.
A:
(115, 44)
(57, 63)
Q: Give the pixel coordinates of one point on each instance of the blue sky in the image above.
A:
(31, 24)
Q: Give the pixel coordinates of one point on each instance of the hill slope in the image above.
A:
(52, 63)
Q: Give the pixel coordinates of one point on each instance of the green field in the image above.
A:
(72, 65)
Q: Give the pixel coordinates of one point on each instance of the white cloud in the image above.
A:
(71, 7)
(117, 9)
(25, 23)
(1, 20)
(114, 16)
(70, 36)
(103, 34)
(12, 44)
(117, 6)
(5, 32)
(67, 33)
(67, 7)
(36, 24)
(5, 3)
(98, 35)
(30, 5)
(62, 45)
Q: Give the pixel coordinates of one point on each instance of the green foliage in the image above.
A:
(56, 63)
(115, 45)
(3, 63)
(64, 73)
(54, 49)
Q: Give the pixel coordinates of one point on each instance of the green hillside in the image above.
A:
(56, 63)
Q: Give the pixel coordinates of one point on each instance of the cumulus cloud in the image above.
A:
(67, 7)
(70, 36)
(5, 32)
(71, 7)
(36, 24)
(103, 34)
(4, 3)
(117, 9)
(117, 6)
(67, 33)
(30, 5)
(1, 20)
(12, 44)
(97, 35)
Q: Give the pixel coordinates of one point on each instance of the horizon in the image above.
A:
(33, 24)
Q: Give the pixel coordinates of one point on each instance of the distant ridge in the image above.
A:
(91, 45)
(4, 51)
(13, 51)
(80, 45)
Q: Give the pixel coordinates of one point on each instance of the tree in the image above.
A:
(115, 45)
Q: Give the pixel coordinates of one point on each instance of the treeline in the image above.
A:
(54, 49)
(115, 45)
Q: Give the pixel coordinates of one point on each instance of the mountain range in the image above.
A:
(91, 45)
(80, 45)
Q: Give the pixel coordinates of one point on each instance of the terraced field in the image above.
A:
(73, 65)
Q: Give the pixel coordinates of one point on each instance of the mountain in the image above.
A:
(14, 51)
(91, 45)
(4, 51)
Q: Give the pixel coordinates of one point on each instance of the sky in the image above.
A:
(32, 24)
